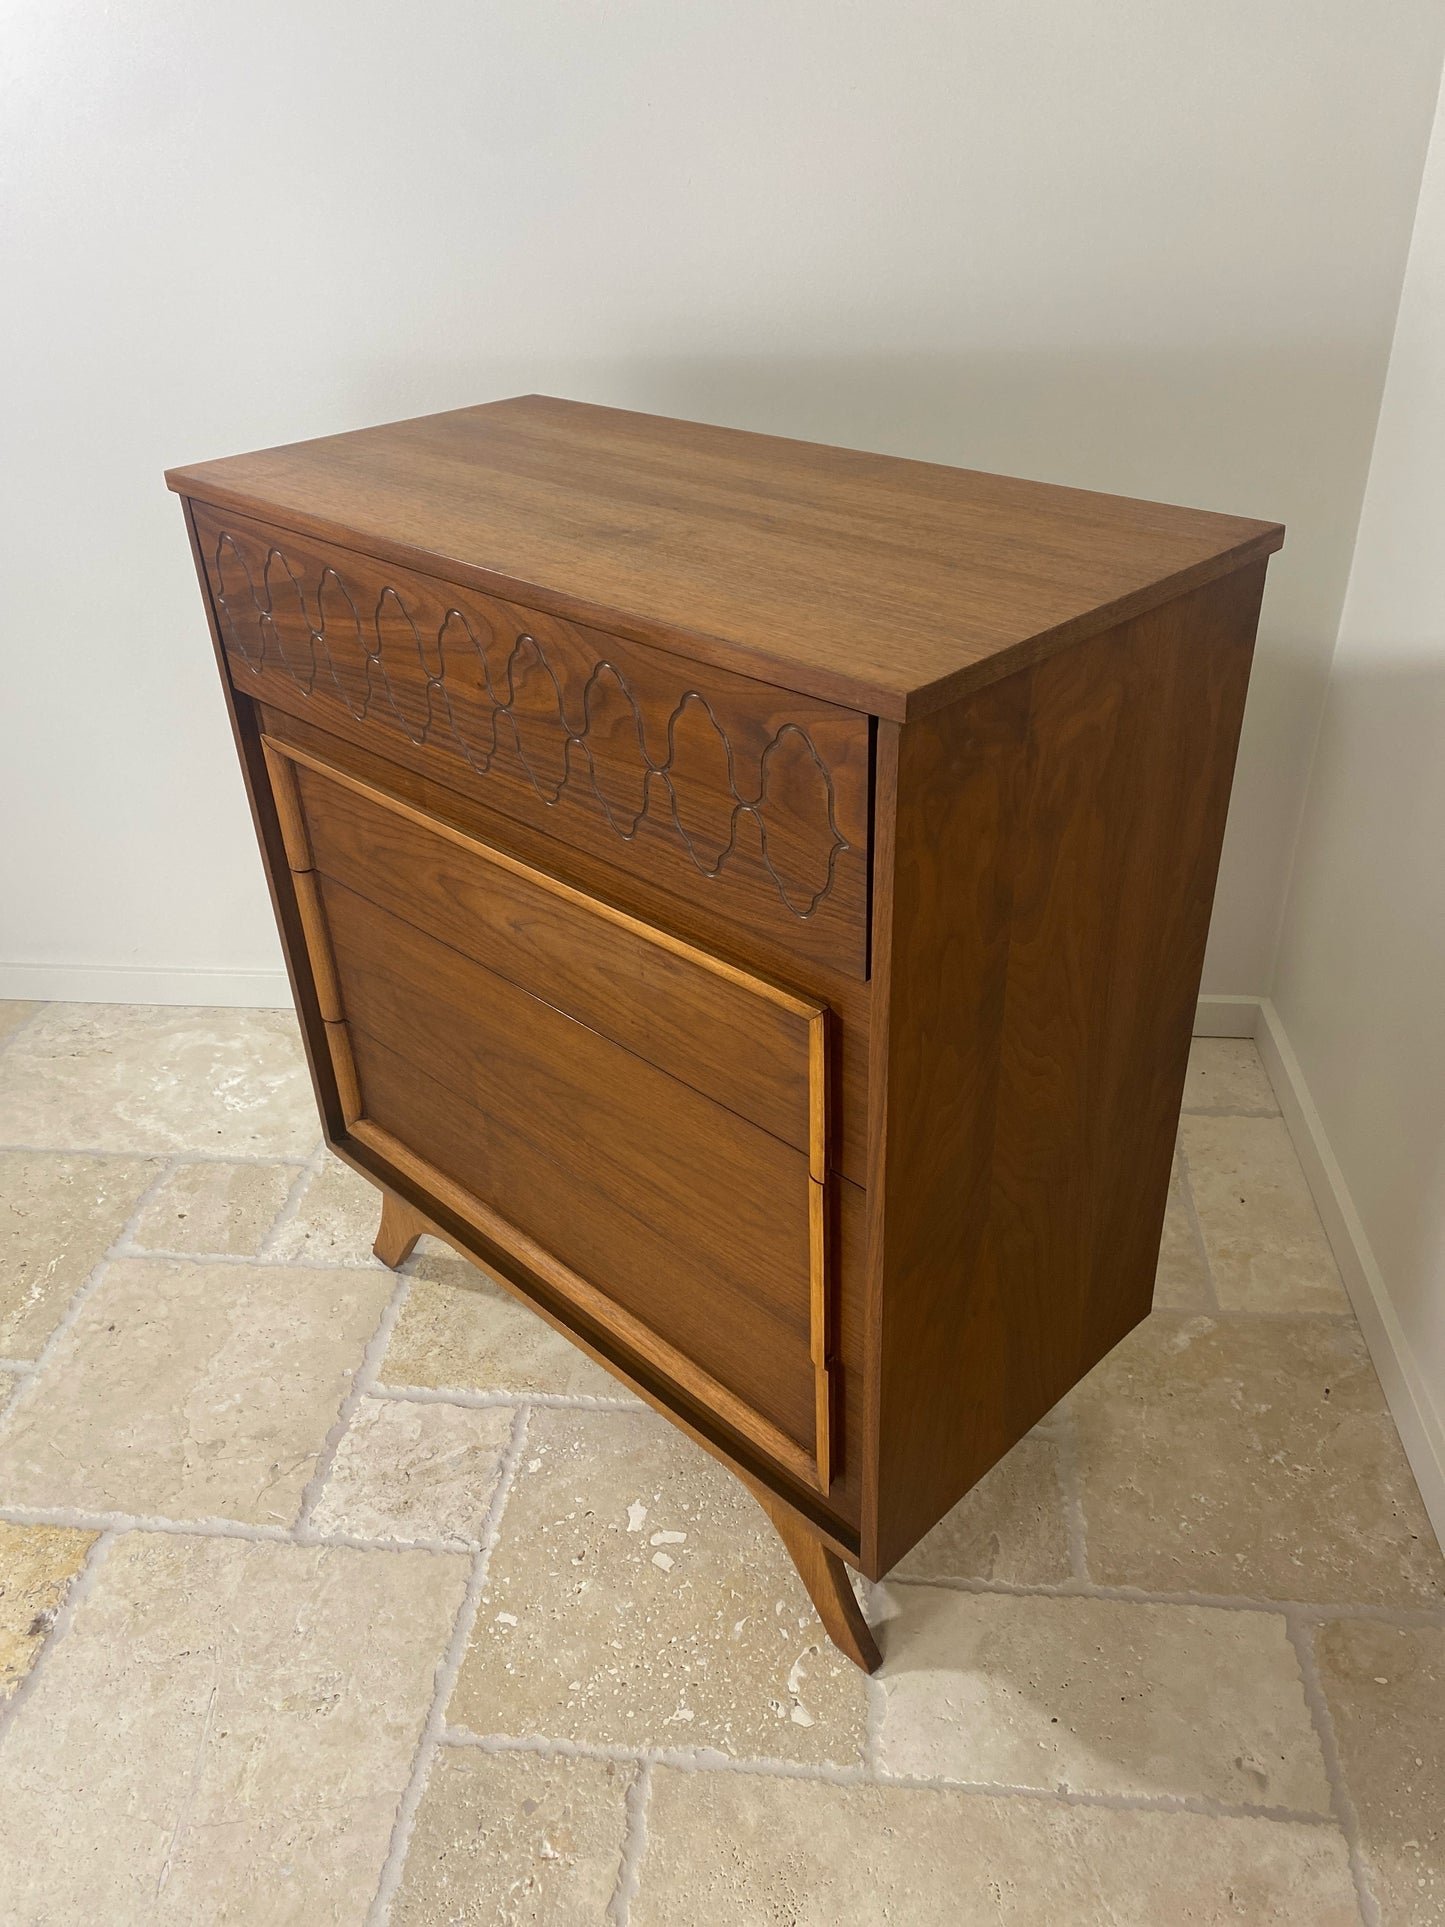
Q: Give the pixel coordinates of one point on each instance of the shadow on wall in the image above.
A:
(1362, 972)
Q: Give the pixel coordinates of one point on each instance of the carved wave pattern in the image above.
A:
(347, 656)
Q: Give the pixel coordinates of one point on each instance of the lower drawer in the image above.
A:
(698, 1238)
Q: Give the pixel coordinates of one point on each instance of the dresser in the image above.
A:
(750, 897)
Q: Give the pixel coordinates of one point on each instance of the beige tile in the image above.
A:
(511, 1838)
(1010, 1527)
(1386, 1691)
(14, 1013)
(37, 1564)
(1267, 1249)
(1225, 1074)
(1250, 1457)
(415, 1472)
(637, 1595)
(1096, 1696)
(1181, 1280)
(737, 1850)
(190, 1390)
(215, 1207)
(223, 1734)
(460, 1330)
(134, 1077)
(58, 1217)
(335, 1220)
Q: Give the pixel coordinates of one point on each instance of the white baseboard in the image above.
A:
(1416, 1414)
(121, 984)
(1226, 1016)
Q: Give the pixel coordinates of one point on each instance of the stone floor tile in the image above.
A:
(739, 1849)
(414, 1472)
(1385, 1686)
(214, 1207)
(14, 1013)
(190, 1390)
(1010, 1527)
(1096, 1696)
(37, 1564)
(58, 1217)
(1267, 1248)
(1252, 1457)
(1225, 1074)
(1181, 1280)
(223, 1734)
(335, 1221)
(637, 1595)
(461, 1331)
(514, 1839)
(147, 1078)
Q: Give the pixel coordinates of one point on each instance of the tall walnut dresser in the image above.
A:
(750, 897)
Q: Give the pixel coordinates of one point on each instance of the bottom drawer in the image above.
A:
(692, 1234)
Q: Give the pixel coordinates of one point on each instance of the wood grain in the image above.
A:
(738, 1038)
(823, 1574)
(1043, 918)
(890, 586)
(400, 1227)
(690, 1218)
(714, 784)
(845, 819)
(754, 952)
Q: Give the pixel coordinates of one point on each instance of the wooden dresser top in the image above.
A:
(888, 585)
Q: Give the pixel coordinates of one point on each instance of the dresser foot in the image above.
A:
(401, 1225)
(826, 1578)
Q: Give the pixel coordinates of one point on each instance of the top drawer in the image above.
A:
(741, 798)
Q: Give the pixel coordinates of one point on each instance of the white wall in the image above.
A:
(1361, 982)
(1147, 245)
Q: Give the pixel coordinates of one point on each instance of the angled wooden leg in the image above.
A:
(401, 1225)
(826, 1578)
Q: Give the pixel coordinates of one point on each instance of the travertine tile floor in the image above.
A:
(331, 1597)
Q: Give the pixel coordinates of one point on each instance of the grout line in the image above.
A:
(291, 1203)
(446, 1395)
(1071, 1493)
(634, 1846)
(213, 1528)
(92, 1282)
(150, 1151)
(446, 1679)
(76, 1593)
(687, 1759)
(361, 1381)
(708, 1760)
(1191, 1212)
(131, 1250)
(1304, 1610)
(1302, 1638)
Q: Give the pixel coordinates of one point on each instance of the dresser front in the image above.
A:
(585, 923)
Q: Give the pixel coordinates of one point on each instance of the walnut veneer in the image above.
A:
(750, 897)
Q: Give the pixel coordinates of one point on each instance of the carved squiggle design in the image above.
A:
(248, 613)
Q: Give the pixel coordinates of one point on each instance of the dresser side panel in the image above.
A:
(1057, 844)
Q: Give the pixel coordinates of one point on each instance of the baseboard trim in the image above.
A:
(122, 984)
(1417, 1417)
(1226, 1016)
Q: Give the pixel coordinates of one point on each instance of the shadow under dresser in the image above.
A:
(750, 897)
